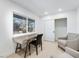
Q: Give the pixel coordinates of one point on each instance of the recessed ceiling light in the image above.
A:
(59, 9)
(45, 13)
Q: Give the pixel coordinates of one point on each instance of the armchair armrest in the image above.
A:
(63, 38)
(72, 52)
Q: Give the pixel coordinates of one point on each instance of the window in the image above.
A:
(19, 24)
(31, 25)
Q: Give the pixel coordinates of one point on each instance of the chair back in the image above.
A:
(39, 38)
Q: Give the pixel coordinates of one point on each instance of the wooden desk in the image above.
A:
(23, 38)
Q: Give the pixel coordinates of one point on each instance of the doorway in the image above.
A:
(60, 28)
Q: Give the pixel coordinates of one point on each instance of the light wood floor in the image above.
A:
(50, 50)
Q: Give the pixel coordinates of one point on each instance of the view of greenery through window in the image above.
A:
(20, 24)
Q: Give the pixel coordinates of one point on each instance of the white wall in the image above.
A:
(39, 26)
(7, 8)
(77, 22)
(71, 20)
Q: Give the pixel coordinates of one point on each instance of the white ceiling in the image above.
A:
(38, 7)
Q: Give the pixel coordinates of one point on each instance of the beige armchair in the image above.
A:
(70, 41)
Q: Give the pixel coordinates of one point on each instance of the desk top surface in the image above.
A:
(24, 37)
(24, 34)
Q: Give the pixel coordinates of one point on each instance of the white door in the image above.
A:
(49, 30)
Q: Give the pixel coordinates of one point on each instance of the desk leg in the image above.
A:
(25, 51)
(29, 50)
(16, 48)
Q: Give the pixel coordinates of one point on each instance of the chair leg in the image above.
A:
(36, 49)
(20, 46)
(16, 48)
(41, 46)
(25, 51)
